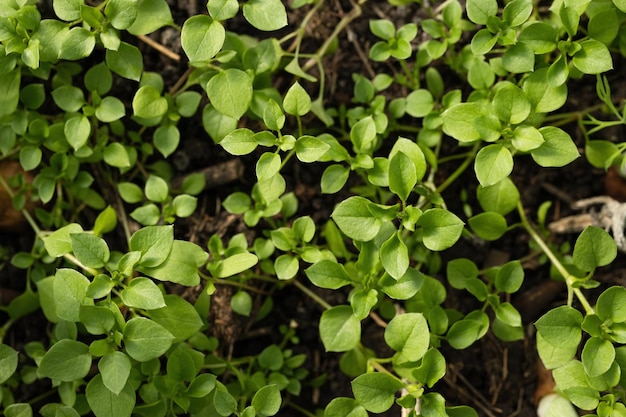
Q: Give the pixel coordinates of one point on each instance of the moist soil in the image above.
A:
(493, 377)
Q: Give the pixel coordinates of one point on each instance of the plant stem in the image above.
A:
(25, 213)
(311, 294)
(569, 278)
(461, 168)
(299, 409)
(353, 14)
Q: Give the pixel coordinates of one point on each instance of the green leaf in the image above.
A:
(166, 139)
(382, 28)
(510, 104)
(184, 205)
(526, 138)
(115, 369)
(97, 319)
(408, 334)
(202, 38)
(501, 197)
(465, 332)
(151, 15)
(394, 255)
(8, 362)
(30, 157)
(236, 264)
(539, 36)
(126, 61)
(121, 13)
(297, 101)
(78, 43)
(593, 57)
(67, 360)
(68, 98)
(10, 91)
(493, 164)
(239, 142)
(110, 110)
(594, 247)
(413, 151)
(459, 271)
(488, 225)
(77, 130)
(601, 153)
(334, 178)
(355, 220)
(67, 10)
(241, 303)
(517, 12)
(519, 58)
(201, 385)
(432, 369)
(183, 364)
(419, 103)
(265, 14)
(558, 150)
(156, 189)
(328, 274)
(142, 293)
(402, 175)
(267, 401)
(181, 265)
(459, 121)
(130, 193)
(154, 243)
(92, 251)
(18, 410)
(178, 316)
(286, 266)
(441, 228)
(573, 383)
(70, 289)
(597, 356)
(339, 329)
(310, 149)
(375, 391)
(116, 155)
(148, 103)
(482, 42)
(145, 339)
(230, 92)
(510, 277)
(58, 243)
(105, 403)
(479, 11)
(268, 165)
(273, 115)
(558, 335)
(223, 9)
(363, 135)
(344, 407)
(611, 305)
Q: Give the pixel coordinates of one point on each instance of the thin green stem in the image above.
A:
(25, 213)
(354, 13)
(460, 169)
(299, 409)
(319, 300)
(569, 278)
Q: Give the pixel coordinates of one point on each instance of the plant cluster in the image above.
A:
(96, 130)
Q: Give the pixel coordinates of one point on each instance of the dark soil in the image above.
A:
(496, 378)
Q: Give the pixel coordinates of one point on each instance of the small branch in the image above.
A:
(311, 294)
(162, 49)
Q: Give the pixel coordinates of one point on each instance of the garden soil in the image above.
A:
(494, 377)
